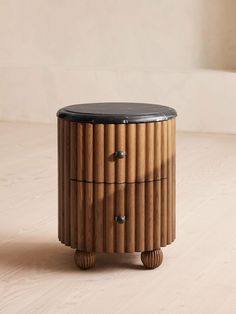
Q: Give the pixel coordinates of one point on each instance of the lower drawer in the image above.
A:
(129, 217)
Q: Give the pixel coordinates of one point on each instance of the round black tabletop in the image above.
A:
(116, 112)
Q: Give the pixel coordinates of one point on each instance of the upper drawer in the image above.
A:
(92, 151)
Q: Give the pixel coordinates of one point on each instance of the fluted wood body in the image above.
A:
(95, 186)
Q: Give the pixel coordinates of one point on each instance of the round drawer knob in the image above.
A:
(120, 154)
(120, 219)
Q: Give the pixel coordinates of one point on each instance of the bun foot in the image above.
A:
(85, 260)
(152, 259)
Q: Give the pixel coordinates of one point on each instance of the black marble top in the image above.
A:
(116, 112)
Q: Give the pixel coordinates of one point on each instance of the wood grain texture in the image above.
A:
(66, 219)
(130, 218)
(174, 176)
(157, 150)
(89, 217)
(73, 187)
(131, 153)
(169, 182)
(98, 153)
(109, 217)
(73, 215)
(80, 215)
(109, 151)
(149, 215)
(80, 152)
(140, 217)
(60, 141)
(88, 152)
(120, 211)
(149, 175)
(164, 212)
(152, 259)
(120, 145)
(85, 260)
(157, 215)
(98, 207)
(140, 186)
(141, 152)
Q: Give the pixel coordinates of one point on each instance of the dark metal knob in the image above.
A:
(120, 219)
(120, 154)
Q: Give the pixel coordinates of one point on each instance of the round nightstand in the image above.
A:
(116, 180)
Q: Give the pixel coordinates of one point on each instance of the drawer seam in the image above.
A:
(134, 182)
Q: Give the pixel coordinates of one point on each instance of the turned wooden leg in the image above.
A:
(152, 259)
(85, 260)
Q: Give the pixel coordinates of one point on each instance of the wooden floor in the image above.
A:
(37, 273)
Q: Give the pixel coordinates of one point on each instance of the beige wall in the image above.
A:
(58, 52)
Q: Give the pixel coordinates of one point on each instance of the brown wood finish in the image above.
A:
(152, 259)
(89, 217)
(80, 152)
(130, 218)
(80, 214)
(109, 153)
(140, 186)
(140, 149)
(149, 174)
(157, 215)
(164, 211)
(73, 215)
(60, 180)
(120, 211)
(131, 153)
(169, 182)
(73, 187)
(88, 152)
(98, 201)
(120, 145)
(174, 177)
(109, 217)
(140, 217)
(66, 191)
(149, 216)
(85, 260)
(98, 205)
(130, 188)
(98, 153)
(157, 151)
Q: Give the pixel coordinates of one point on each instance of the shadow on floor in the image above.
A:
(56, 257)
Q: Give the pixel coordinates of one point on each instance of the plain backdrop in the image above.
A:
(177, 53)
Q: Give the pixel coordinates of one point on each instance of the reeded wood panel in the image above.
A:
(148, 147)
(95, 208)
(130, 213)
(60, 178)
(140, 217)
(73, 189)
(94, 186)
(66, 192)
(109, 226)
(120, 192)
(173, 196)
(164, 163)
(109, 149)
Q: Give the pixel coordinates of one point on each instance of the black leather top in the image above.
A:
(116, 112)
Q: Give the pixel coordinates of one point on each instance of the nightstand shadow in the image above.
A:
(54, 257)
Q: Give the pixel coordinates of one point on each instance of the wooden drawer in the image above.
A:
(88, 216)
(87, 152)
